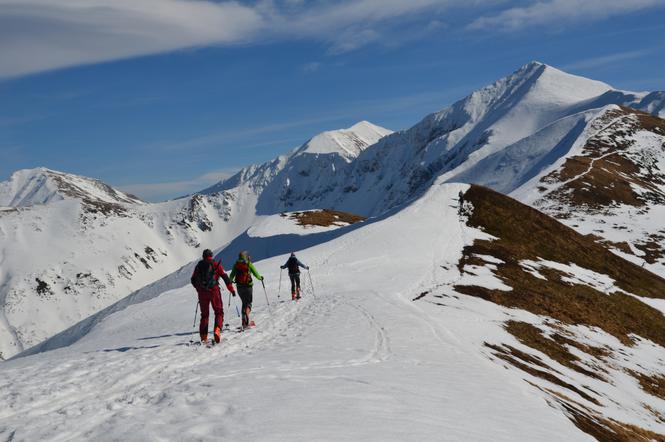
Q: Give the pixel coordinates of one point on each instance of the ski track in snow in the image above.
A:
(358, 361)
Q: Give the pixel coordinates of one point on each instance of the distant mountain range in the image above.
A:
(575, 148)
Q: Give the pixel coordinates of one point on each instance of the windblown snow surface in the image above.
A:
(71, 246)
(357, 358)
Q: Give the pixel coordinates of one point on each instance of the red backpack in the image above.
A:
(242, 273)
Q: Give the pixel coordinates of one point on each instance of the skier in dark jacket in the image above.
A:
(205, 280)
(241, 274)
(293, 264)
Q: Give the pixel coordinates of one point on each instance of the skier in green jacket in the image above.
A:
(241, 274)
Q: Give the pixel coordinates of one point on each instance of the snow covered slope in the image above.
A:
(40, 186)
(534, 107)
(71, 246)
(611, 185)
(299, 180)
(463, 324)
(601, 172)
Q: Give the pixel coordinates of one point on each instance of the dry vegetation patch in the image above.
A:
(325, 218)
(525, 234)
(652, 384)
(525, 362)
(533, 337)
(607, 172)
(608, 430)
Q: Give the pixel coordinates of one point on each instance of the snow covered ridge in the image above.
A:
(534, 358)
(29, 187)
(611, 184)
(74, 255)
(537, 110)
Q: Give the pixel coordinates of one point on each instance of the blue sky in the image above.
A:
(164, 97)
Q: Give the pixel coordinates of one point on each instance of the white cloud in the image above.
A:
(557, 12)
(173, 189)
(39, 35)
(311, 67)
(606, 60)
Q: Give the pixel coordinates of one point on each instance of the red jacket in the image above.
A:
(219, 273)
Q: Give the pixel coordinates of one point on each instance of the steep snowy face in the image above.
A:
(298, 181)
(610, 183)
(401, 165)
(41, 186)
(347, 143)
(535, 113)
(653, 103)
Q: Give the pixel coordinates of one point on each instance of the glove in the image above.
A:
(230, 288)
(262, 278)
(307, 267)
(282, 267)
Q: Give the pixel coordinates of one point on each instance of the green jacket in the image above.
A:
(252, 271)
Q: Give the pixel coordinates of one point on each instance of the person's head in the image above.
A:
(244, 255)
(207, 254)
(293, 254)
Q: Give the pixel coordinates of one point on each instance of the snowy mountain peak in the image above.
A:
(345, 142)
(29, 187)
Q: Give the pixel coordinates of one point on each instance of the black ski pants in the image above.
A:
(295, 281)
(245, 293)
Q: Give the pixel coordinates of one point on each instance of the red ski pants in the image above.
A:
(207, 297)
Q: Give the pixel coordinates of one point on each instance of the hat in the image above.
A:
(207, 253)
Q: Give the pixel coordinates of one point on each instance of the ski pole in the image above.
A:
(235, 302)
(266, 293)
(196, 312)
(279, 288)
(310, 282)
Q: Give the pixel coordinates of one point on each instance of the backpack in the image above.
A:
(205, 275)
(292, 264)
(242, 273)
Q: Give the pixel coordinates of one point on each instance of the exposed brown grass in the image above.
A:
(652, 248)
(520, 360)
(533, 337)
(622, 246)
(605, 174)
(325, 218)
(652, 384)
(608, 430)
(659, 415)
(525, 234)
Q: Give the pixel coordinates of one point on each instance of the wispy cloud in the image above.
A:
(39, 35)
(6, 121)
(606, 60)
(171, 189)
(560, 12)
(311, 67)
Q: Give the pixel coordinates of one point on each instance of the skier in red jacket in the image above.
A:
(205, 280)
